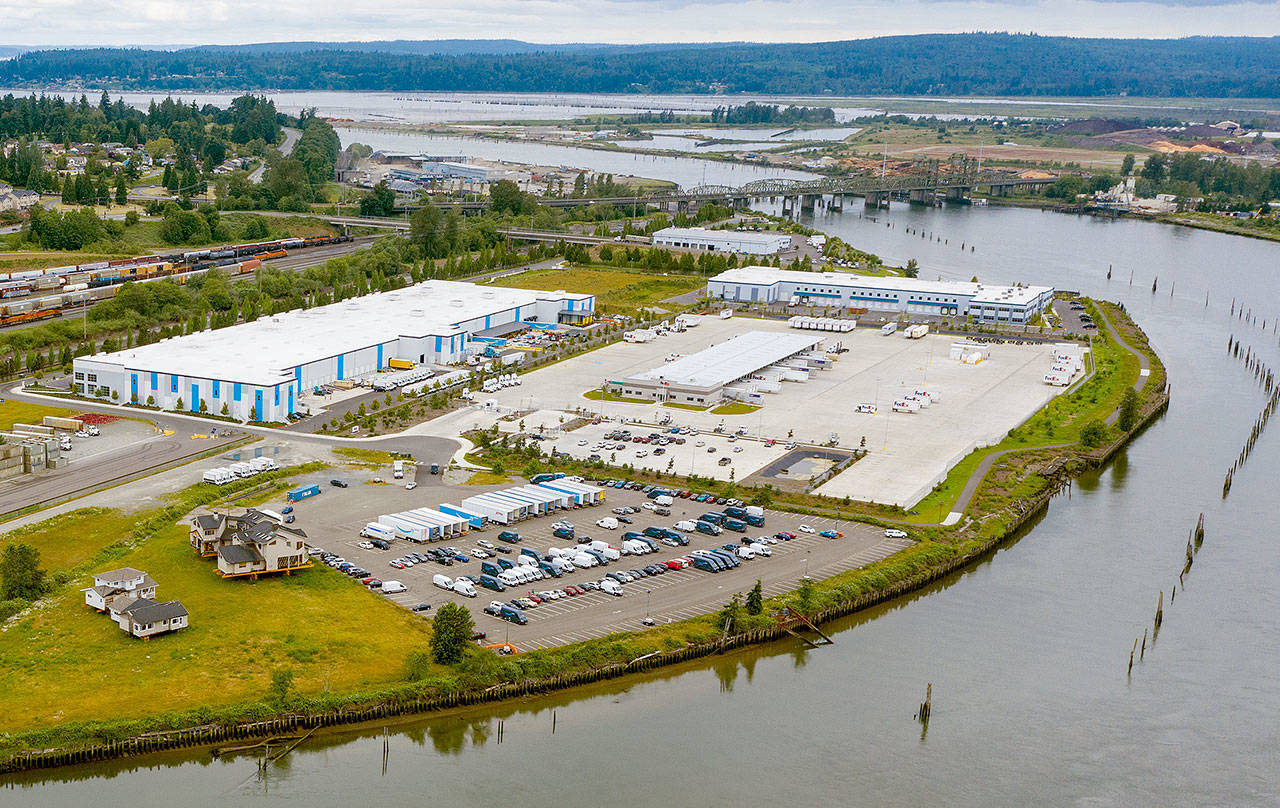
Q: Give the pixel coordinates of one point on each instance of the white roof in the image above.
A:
(265, 351)
(765, 239)
(978, 292)
(732, 359)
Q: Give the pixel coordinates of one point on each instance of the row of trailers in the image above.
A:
(504, 507)
(769, 380)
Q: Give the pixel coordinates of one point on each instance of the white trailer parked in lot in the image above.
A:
(888, 328)
(906, 405)
(916, 331)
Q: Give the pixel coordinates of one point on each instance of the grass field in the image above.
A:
(614, 288)
(70, 539)
(734, 408)
(66, 662)
(364, 457)
(487, 478)
(596, 395)
(20, 412)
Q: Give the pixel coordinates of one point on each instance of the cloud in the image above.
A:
(149, 22)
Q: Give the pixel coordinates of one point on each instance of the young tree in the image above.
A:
(727, 617)
(451, 631)
(805, 596)
(281, 684)
(1128, 410)
(20, 573)
(755, 599)
(122, 193)
(1093, 433)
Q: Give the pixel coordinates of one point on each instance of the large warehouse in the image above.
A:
(260, 368)
(755, 284)
(702, 378)
(731, 241)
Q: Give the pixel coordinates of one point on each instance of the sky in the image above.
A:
(54, 23)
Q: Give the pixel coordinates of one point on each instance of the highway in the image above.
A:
(291, 136)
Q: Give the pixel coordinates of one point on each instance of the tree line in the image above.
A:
(930, 64)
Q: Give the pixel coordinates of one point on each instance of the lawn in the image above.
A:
(735, 408)
(66, 662)
(596, 395)
(614, 288)
(70, 539)
(487, 478)
(20, 412)
(364, 457)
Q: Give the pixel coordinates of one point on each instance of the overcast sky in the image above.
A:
(166, 22)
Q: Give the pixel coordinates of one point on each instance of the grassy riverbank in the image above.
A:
(59, 662)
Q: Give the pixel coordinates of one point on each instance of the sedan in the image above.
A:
(832, 534)
(807, 529)
(783, 535)
(485, 543)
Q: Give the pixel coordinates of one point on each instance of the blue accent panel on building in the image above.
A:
(195, 397)
(155, 381)
(133, 387)
(439, 344)
(235, 391)
(277, 391)
(291, 398)
(487, 318)
(217, 389)
(379, 357)
(257, 405)
(340, 363)
(173, 383)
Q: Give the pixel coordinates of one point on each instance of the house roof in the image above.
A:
(151, 611)
(121, 576)
(102, 590)
(211, 521)
(239, 554)
(123, 605)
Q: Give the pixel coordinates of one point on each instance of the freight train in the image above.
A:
(147, 267)
(90, 283)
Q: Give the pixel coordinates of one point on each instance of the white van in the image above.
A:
(392, 587)
(754, 510)
(442, 581)
(464, 587)
(608, 523)
(688, 525)
(663, 499)
(585, 561)
(526, 561)
(509, 577)
(635, 547)
(611, 586)
(561, 564)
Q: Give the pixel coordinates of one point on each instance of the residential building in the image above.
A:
(249, 544)
(117, 586)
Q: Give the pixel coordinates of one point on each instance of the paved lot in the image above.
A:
(908, 453)
(124, 449)
(333, 520)
(746, 454)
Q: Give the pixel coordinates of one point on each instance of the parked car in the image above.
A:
(832, 534)
(894, 533)
(337, 483)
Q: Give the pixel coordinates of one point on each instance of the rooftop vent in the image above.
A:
(417, 313)
(457, 302)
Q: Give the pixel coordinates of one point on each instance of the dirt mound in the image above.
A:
(1093, 126)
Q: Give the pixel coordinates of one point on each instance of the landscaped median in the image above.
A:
(336, 654)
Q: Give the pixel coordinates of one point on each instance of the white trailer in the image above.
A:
(243, 470)
(888, 328)
(906, 405)
(916, 331)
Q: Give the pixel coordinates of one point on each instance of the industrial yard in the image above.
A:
(907, 452)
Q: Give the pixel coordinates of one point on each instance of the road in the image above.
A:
(291, 136)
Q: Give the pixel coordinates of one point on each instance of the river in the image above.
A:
(1026, 650)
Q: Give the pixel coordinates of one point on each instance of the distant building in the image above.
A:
(987, 302)
(730, 241)
(147, 618)
(250, 544)
(18, 200)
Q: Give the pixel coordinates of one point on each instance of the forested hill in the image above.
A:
(933, 64)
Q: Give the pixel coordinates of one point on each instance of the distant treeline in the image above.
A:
(932, 64)
(751, 112)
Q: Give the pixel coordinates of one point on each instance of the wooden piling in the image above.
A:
(1143, 655)
(1159, 611)
(927, 707)
(1132, 651)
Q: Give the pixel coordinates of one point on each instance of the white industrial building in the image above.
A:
(731, 241)
(987, 302)
(732, 369)
(264, 366)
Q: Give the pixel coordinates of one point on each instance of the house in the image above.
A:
(249, 544)
(118, 586)
(146, 618)
(18, 200)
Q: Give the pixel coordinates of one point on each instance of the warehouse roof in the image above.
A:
(731, 359)
(765, 239)
(978, 292)
(265, 351)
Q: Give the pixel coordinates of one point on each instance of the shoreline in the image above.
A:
(907, 571)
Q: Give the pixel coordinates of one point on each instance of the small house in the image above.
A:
(118, 586)
(145, 617)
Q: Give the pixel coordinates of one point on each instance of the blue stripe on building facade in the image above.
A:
(217, 389)
(291, 398)
(195, 397)
(155, 381)
(133, 387)
(257, 405)
(379, 357)
(235, 391)
(340, 363)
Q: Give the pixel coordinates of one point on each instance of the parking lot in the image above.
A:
(907, 452)
(333, 521)
(702, 454)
